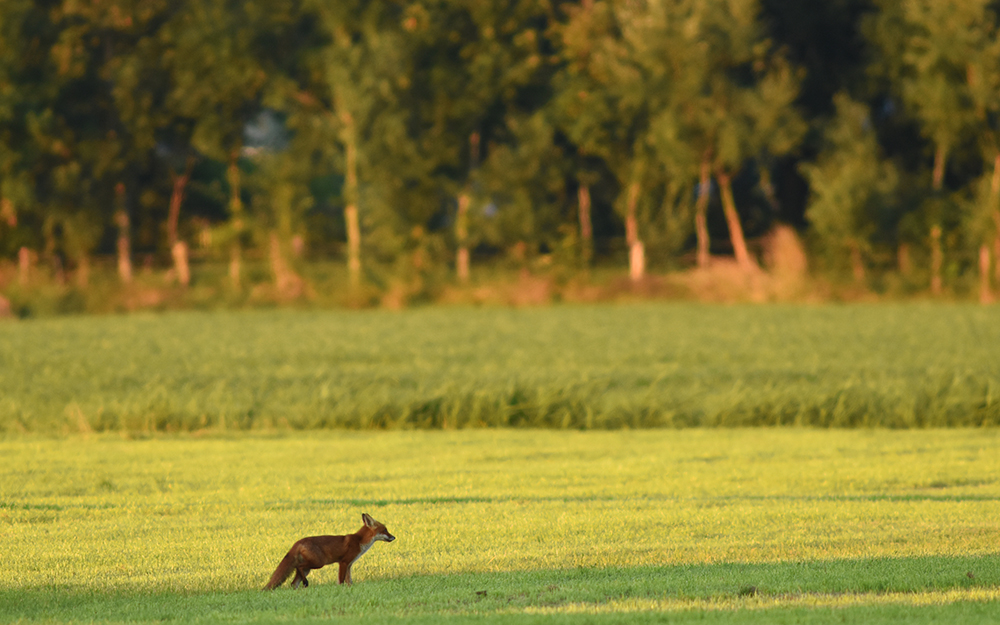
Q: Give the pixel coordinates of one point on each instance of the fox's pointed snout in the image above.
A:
(389, 537)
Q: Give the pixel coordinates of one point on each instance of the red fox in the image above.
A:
(315, 552)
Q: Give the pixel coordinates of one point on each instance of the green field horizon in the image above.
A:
(564, 367)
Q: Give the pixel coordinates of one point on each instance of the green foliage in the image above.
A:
(851, 184)
(603, 367)
(941, 62)
(723, 525)
(522, 186)
(415, 108)
(932, 49)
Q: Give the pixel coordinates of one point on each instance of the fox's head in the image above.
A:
(380, 532)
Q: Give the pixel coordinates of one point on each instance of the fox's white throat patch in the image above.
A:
(364, 547)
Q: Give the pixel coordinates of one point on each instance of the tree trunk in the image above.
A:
(937, 260)
(637, 261)
(349, 139)
(179, 252)
(54, 259)
(995, 203)
(857, 264)
(462, 216)
(176, 198)
(124, 245)
(23, 266)
(985, 292)
(733, 220)
(937, 183)
(236, 214)
(701, 213)
(940, 158)
(353, 244)
(178, 249)
(124, 257)
(586, 225)
(462, 237)
(235, 265)
(636, 249)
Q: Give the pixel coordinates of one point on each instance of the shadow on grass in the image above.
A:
(727, 592)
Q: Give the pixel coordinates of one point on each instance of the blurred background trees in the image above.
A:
(375, 147)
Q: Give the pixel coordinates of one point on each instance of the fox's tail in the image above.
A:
(285, 568)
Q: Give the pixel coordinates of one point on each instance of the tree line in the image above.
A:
(408, 137)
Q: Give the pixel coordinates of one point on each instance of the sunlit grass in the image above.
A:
(547, 524)
(806, 600)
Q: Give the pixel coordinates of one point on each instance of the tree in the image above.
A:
(983, 211)
(216, 86)
(143, 85)
(26, 33)
(521, 187)
(692, 90)
(613, 99)
(734, 101)
(142, 89)
(581, 106)
(929, 53)
(86, 173)
(476, 67)
(351, 90)
(850, 184)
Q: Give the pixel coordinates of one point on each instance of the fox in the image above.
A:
(315, 552)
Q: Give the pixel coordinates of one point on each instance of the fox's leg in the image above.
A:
(345, 573)
(300, 578)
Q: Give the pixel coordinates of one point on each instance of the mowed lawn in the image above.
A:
(708, 525)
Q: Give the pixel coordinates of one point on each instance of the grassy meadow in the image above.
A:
(712, 525)
(581, 367)
(578, 464)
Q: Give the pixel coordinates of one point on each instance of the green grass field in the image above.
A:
(581, 367)
(156, 467)
(762, 525)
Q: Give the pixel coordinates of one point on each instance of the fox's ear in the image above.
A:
(370, 522)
